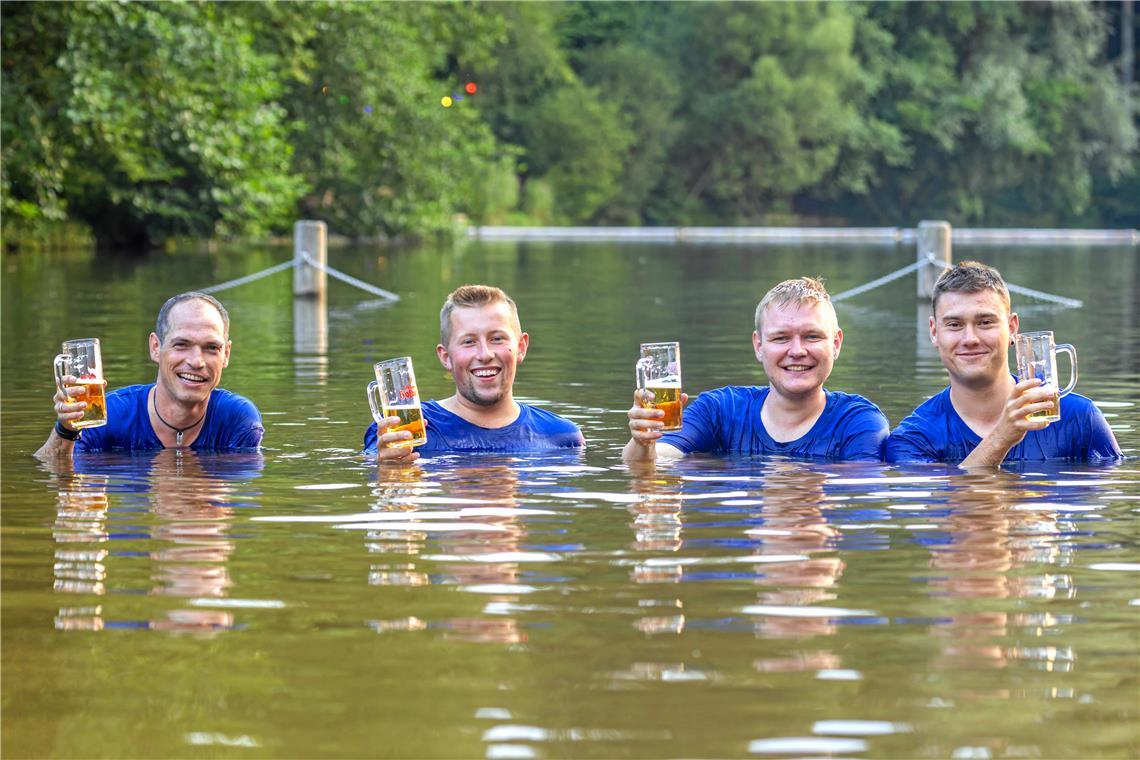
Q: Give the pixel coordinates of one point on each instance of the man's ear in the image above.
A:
(226, 356)
(837, 343)
(524, 344)
(933, 331)
(154, 345)
(756, 341)
(444, 357)
(1014, 323)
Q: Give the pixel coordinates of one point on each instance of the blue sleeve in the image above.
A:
(1102, 442)
(246, 430)
(863, 441)
(905, 445)
(370, 439)
(698, 426)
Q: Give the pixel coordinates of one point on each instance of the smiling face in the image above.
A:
(191, 358)
(972, 333)
(483, 351)
(798, 344)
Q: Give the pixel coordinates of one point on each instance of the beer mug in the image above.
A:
(394, 394)
(1037, 357)
(83, 359)
(659, 372)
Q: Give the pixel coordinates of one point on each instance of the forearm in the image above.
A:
(639, 452)
(55, 447)
(991, 452)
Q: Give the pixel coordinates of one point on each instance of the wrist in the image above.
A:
(67, 434)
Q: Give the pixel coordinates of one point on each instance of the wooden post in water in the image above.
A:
(309, 237)
(933, 240)
(310, 308)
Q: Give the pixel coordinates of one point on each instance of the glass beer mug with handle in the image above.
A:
(659, 372)
(1037, 357)
(394, 394)
(83, 359)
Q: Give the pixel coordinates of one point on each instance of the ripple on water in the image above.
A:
(805, 745)
(859, 727)
(805, 612)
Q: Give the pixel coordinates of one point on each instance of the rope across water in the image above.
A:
(311, 262)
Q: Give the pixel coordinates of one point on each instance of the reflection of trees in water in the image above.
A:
(484, 485)
(995, 531)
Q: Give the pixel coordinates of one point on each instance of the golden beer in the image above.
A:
(667, 398)
(412, 420)
(96, 412)
(1049, 415)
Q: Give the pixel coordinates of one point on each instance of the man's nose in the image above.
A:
(195, 357)
(485, 351)
(796, 347)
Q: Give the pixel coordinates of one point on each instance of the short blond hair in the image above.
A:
(801, 290)
(469, 297)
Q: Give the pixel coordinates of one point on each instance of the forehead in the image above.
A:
(967, 304)
(798, 316)
(195, 317)
(478, 319)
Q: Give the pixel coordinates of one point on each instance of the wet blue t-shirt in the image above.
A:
(935, 433)
(534, 430)
(232, 423)
(727, 421)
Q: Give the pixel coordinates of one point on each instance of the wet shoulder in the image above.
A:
(546, 421)
(852, 404)
(233, 404)
(735, 397)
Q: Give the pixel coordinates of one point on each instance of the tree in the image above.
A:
(164, 121)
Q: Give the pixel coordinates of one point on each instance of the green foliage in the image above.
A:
(165, 122)
(146, 120)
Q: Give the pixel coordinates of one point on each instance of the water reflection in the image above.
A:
(81, 518)
(998, 526)
(187, 497)
(476, 558)
(794, 526)
(657, 526)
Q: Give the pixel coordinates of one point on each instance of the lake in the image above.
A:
(300, 603)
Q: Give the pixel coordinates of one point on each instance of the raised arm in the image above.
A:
(61, 440)
(1025, 399)
(645, 425)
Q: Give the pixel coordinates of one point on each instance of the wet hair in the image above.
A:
(162, 324)
(801, 290)
(473, 297)
(969, 277)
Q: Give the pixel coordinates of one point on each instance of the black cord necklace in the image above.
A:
(178, 431)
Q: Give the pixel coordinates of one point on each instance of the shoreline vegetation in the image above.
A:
(131, 126)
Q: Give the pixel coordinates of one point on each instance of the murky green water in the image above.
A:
(301, 604)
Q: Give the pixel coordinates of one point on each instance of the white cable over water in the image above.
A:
(248, 278)
(348, 278)
(881, 281)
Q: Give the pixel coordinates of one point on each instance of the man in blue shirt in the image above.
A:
(797, 340)
(184, 408)
(982, 418)
(481, 345)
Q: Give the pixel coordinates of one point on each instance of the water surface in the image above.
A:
(301, 603)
